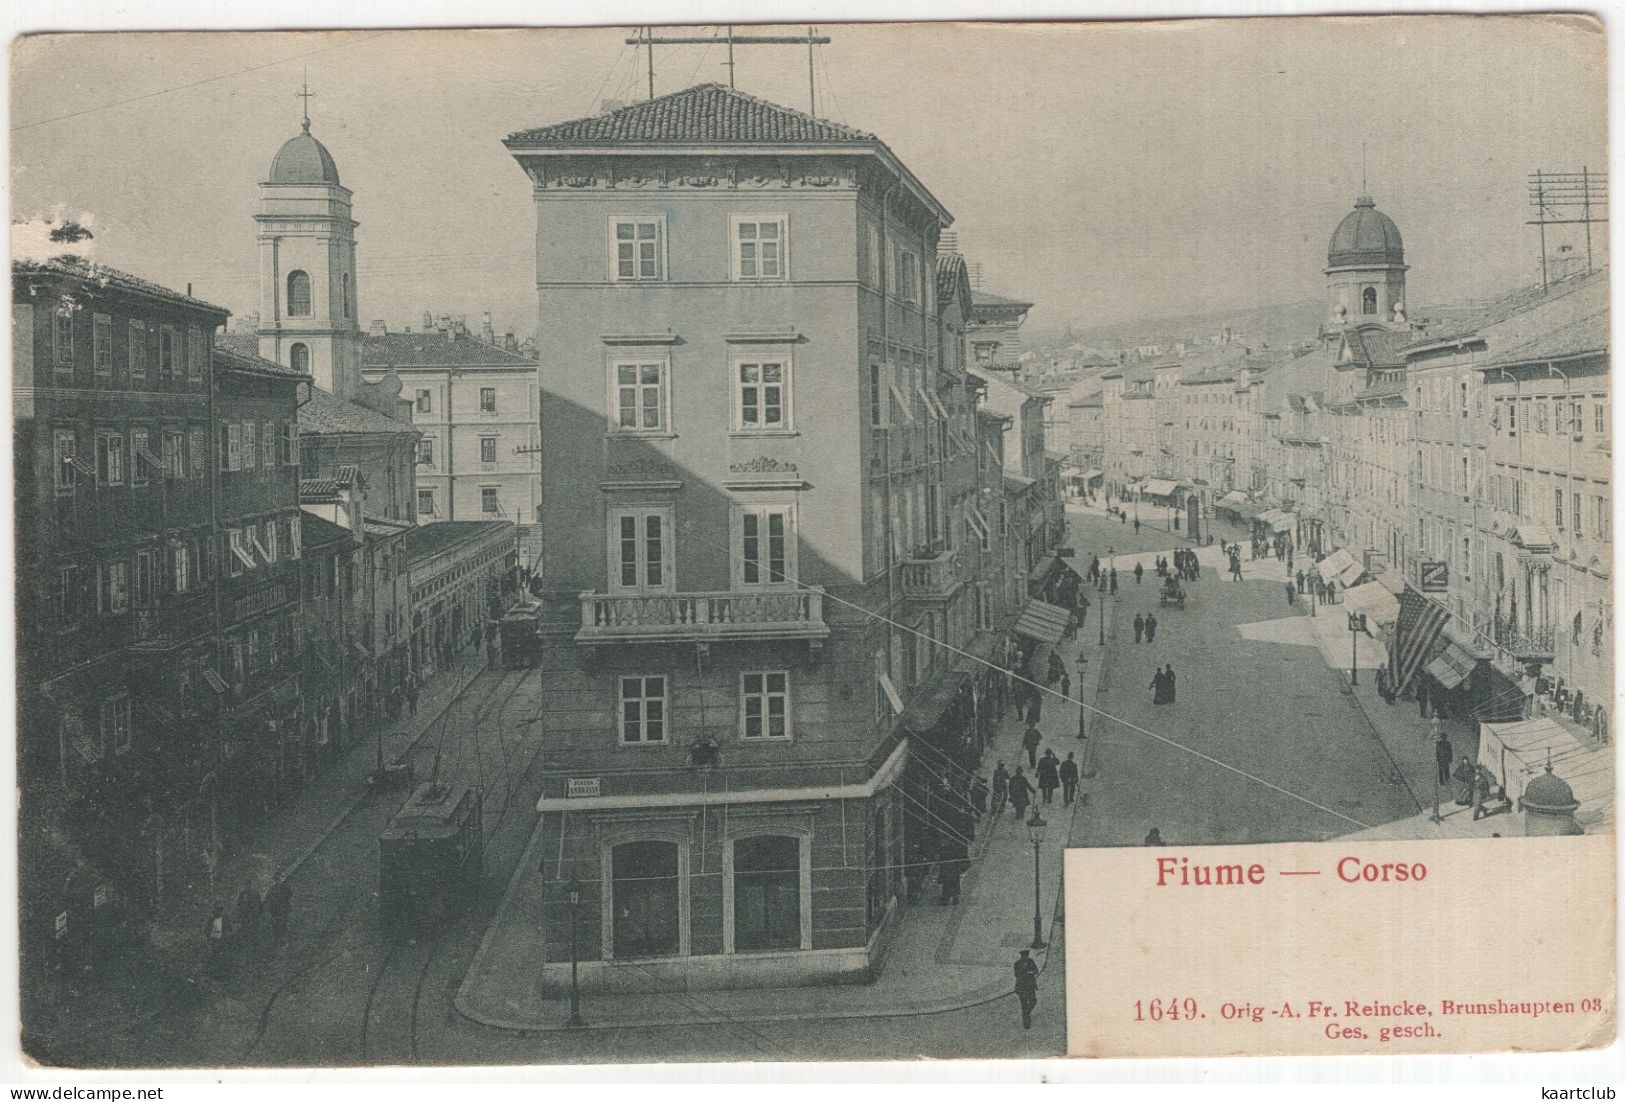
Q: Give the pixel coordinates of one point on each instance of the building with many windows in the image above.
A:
(757, 454)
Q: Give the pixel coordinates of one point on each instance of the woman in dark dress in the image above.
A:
(1159, 685)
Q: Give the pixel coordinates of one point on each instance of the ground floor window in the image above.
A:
(645, 898)
(767, 893)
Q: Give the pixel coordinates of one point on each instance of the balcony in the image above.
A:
(1535, 645)
(702, 617)
(930, 577)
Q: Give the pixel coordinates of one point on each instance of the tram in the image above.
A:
(430, 858)
(521, 636)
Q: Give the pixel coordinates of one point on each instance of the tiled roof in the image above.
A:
(229, 359)
(435, 350)
(702, 113)
(327, 414)
(107, 277)
(244, 344)
(1578, 338)
(318, 491)
(950, 271)
(1382, 390)
(988, 298)
(1517, 302)
(315, 531)
(428, 540)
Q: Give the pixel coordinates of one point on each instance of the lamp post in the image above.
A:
(575, 976)
(1356, 626)
(1035, 832)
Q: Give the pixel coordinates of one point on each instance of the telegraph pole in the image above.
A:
(646, 38)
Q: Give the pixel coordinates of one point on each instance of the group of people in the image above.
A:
(1145, 627)
(1184, 565)
(241, 933)
(1162, 685)
(1323, 590)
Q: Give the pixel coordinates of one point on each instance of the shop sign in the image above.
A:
(581, 787)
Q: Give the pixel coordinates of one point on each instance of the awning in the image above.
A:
(1335, 564)
(1234, 497)
(931, 700)
(1450, 665)
(1268, 516)
(1041, 621)
(1019, 484)
(1160, 487)
(1519, 752)
(1092, 473)
(1374, 601)
(1284, 522)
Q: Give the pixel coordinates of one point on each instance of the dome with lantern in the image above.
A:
(1366, 237)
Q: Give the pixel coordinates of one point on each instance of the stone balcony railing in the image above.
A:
(930, 578)
(702, 617)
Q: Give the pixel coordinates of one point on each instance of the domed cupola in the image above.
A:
(1365, 236)
(303, 160)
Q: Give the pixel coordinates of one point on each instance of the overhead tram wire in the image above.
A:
(597, 96)
(829, 85)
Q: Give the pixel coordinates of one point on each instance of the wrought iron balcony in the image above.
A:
(1533, 645)
(702, 617)
(930, 577)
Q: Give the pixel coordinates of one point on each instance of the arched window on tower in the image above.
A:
(299, 358)
(298, 295)
(344, 290)
(1368, 301)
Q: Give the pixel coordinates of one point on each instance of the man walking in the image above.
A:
(1021, 793)
(1027, 986)
(1443, 752)
(1139, 572)
(1291, 594)
(1300, 581)
(1069, 780)
(1139, 627)
(1001, 789)
(1066, 685)
(1049, 776)
(1030, 742)
(1168, 677)
(411, 698)
(1150, 628)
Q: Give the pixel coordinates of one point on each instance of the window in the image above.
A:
(267, 445)
(140, 456)
(199, 443)
(638, 403)
(1557, 513)
(879, 405)
(101, 344)
(639, 553)
(146, 578)
(1599, 413)
(64, 447)
(488, 399)
(762, 395)
(238, 557)
(293, 536)
(488, 449)
(174, 454)
(764, 705)
(248, 447)
(298, 295)
(69, 598)
(425, 503)
(645, 900)
(196, 355)
(426, 451)
(115, 725)
(1599, 516)
(289, 443)
(1368, 301)
(764, 545)
(488, 499)
(62, 337)
(1574, 514)
(167, 367)
(638, 249)
(908, 277)
(874, 256)
(110, 458)
(344, 294)
(759, 246)
(767, 892)
(1577, 416)
(425, 402)
(299, 358)
(138, 350)
(113, 588)
(643, 709)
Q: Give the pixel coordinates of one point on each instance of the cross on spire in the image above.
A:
(307, 95)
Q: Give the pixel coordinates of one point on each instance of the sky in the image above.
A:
(1105, 172)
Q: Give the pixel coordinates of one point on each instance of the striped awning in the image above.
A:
(1042, 621)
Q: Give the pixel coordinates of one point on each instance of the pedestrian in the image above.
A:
(1049, 775)
(1069, 780)
(279, 905)
(1159, 688)
(1139, 572)
(215, 933)
(1150, 627)
(1168, 672)
(1001, 789)
(411, 698)
(1139, 627)
(1136, 524)
(1291, 594)
(1056, 668)
(1300, 581)
(1083, 609)
(1153, 837)
(949, 869)
(1071, 631)
(1027, 986)
(1122, 518)
(1464, 774)
(978, 795)
(1035, 705)
(1021, 793)
(1435, 729)
(1066, 685)
(1030, 741)
(1114, 581)
(1442, 753)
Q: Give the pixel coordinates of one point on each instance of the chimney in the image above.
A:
(459, 328)
(487, 334)
(948, 243)
(377, 328)
(428, 321)
(510, 343)
(443, 324)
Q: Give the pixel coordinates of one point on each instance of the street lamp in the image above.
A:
(1356, 626)
(575, 976)
(1035, 832)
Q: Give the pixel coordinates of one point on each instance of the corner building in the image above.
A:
(744, 444)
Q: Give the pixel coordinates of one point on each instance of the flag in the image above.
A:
(1420, 622)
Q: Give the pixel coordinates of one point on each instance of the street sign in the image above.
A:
(581, 787)
(1435, 577)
